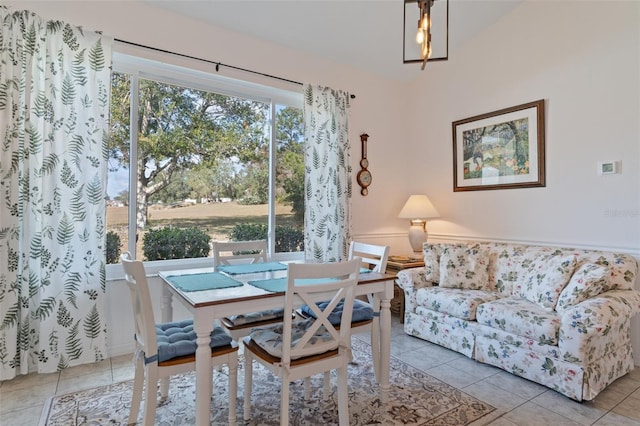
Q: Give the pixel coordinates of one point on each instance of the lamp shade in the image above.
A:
(418, 207)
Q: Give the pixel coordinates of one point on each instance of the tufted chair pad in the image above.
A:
(176, 339)
(362, 311)
(270, 338)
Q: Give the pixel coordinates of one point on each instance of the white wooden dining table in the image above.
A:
(209, 305)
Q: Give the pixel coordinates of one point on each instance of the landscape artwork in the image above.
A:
(497, 150)
(501, 149)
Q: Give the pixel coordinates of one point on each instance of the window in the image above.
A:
(209, 158)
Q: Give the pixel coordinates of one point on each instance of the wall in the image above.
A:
(585, 64)
(583, 60)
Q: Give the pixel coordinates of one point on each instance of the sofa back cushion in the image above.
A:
(507, 260)
(545, 277)
(589, 280)
(464, 267)
(431, 254)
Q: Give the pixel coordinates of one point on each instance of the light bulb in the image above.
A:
(426, 22)
(419, 36)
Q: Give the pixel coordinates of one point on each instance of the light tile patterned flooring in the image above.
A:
(520, 401)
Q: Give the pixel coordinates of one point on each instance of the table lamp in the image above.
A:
(418, 208)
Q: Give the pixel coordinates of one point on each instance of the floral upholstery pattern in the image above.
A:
(453, 333)
(545, 278)
(431, 254)
(458, 303)
(588, 281)
(522, 318)
(557, 316)
(598, 326)
(464, 267)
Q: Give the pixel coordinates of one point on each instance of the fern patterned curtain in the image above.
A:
(327, 174)
(54, 110)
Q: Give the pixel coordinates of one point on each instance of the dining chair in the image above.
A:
(298, 349)
(374, 258)
(163, 350)
(247, 252)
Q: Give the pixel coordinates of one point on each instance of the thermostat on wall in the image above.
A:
(607, 167)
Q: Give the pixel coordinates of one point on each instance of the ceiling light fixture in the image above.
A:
(432, 36)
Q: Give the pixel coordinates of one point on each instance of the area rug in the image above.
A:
(415, 398)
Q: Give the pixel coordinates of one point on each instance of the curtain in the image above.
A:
(54, 110)
(327, 174)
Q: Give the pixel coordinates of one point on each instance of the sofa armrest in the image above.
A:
(412, 278)
(410, 281)
(598, 326)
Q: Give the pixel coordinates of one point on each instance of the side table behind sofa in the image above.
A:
(396, 264)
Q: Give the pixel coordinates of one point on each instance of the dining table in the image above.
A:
(210, 295)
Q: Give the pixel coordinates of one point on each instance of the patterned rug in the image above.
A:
(415, 398)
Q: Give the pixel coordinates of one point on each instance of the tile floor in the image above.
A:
(519, 402)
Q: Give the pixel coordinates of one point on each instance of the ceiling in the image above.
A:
(363, 34)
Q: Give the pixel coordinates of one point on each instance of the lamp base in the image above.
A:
(417, 234)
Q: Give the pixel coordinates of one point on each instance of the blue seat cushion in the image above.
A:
(362, 311)
(257, 316)
(176, 339)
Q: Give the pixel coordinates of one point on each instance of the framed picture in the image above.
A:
(500, 150)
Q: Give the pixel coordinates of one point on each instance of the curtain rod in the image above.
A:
(217, 64)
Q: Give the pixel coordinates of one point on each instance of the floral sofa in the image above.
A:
(557, 316)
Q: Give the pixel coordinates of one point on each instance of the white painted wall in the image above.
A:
(582, 59)
(585, 64)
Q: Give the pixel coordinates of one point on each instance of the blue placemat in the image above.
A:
(364, 270)
(274, 284)
(252, 268)
(204, 281)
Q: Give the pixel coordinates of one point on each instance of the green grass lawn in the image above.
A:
(216, 219)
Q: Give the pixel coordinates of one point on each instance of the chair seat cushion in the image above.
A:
(256, 316)
(362, 311)
(270, 338)
(176, 339)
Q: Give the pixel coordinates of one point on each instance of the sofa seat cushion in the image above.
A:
(458, 303)
(521, 317)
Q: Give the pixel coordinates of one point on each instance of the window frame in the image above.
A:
(167, 70)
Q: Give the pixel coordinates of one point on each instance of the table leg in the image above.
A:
(385, 343)
(374, 300)
(166, 308)
(204, 386)
(166, 315)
